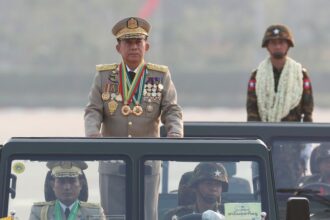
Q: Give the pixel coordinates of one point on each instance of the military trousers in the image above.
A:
(112, 180)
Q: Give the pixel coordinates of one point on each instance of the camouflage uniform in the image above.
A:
(203, 171)
(303, 111)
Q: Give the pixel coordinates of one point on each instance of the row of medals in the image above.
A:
(151, 91)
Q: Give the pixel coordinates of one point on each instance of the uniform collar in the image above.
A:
(64, 206)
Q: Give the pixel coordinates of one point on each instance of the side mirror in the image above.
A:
(297, 208)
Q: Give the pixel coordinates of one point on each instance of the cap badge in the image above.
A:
(132, 23)
(276, 31)
(217, 173)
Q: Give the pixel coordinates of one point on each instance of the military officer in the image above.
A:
(322, 159)
(279, 89)
(67, 185)
(129, 99)
(208, 181)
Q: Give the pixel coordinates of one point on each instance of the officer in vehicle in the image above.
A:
(209, 180)
(66, 185)
(279, 89)
(320, 180)
(130, 99)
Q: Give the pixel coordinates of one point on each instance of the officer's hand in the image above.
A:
(97, 135)
(174, 135)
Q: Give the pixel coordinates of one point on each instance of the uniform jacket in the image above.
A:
(46, 211)
(302, 112)
(163, 107)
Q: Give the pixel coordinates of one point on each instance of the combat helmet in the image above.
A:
(278, 31)
(210, 171)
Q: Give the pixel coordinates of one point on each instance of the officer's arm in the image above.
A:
(94, 109)
(307, 99)
(171, 112)
(251, 101)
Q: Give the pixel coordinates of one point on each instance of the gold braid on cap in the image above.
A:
(132, 27)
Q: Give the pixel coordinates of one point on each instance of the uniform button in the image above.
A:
(129, 136)
(130, 123)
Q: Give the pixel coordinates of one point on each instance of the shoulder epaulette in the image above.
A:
(160, 68)
(104, 67)
(89, 205)
(44, 203)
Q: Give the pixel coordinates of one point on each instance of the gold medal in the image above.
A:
(126, 110)
(137, 110)
(105, 96)
(112, 105)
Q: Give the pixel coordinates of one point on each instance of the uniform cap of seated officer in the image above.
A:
(132, 27)
(61, 169)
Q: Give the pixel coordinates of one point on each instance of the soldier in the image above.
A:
(67, 184)
(128, 100)
(280, 89)
(208, 181)
(320, 180)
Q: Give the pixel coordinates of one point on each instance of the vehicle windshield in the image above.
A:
(36, 184)
(302, 168)
(39, 185)
(241, 195)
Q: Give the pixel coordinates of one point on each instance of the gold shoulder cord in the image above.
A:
(43, 213)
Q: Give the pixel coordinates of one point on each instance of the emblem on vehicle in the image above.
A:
(18, 167)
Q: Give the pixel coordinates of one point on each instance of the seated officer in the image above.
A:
(208, 181)
(322, 159)
(67, 185)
